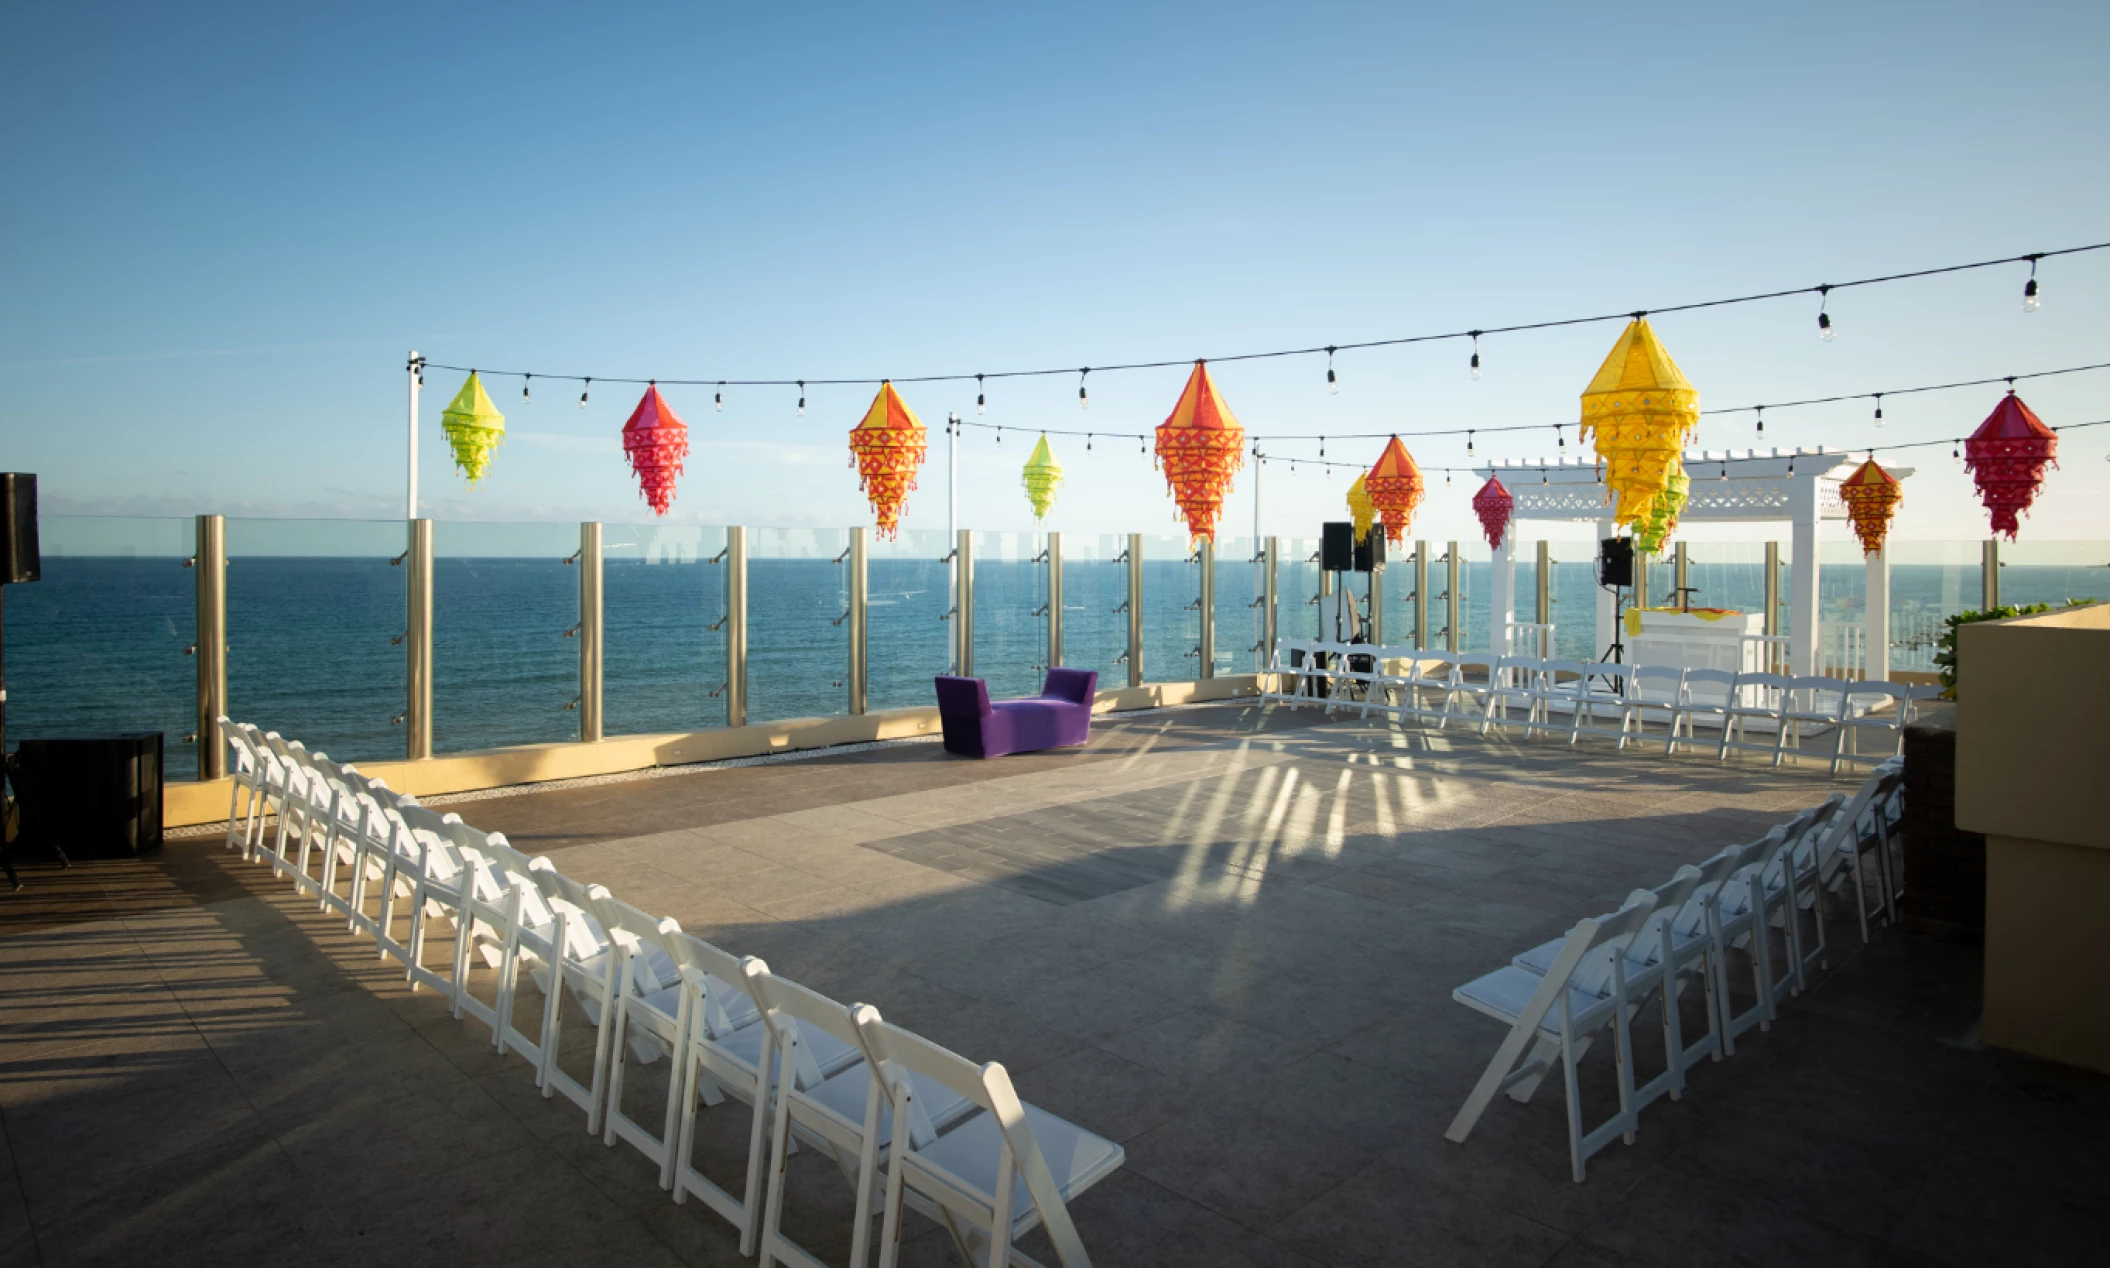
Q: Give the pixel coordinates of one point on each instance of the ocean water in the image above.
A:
(99, 643)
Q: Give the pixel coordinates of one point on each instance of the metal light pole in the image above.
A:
(415, 368)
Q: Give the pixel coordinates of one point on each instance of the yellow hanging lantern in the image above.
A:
(1360, 508)
(1663, 512)
(474, 427)
(1871, 495)
(1640, 411)
(1043, 477)
(888, 446)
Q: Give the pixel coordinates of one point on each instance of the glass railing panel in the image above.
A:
(910, 630)
(313, 609)
(1574, 601)
(502, 668)
(2054, 572)
(1010, 632)
(1237, 620)
(798, 637)
(1172, 629)
(1476, 582)
(96, 645)
(1929, 583)
(663, 590)
(1094, 584)
(1299, 612)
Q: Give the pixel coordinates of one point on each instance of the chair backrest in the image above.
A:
(1485, 664)
(963, 697)
(640, 929)
(1559, 671)
(1520, 671)
(583, 936)
(1672, 897)
(1709, 688)
(783, 1001)
(715, 973)
(891, 1049)
(1078, 686)
(1613, 676)
(1428, 664)
(237, 740)
(1874, 693)
(1667, 678)
(1762, 690)
(1812, 693)
(1715, 872)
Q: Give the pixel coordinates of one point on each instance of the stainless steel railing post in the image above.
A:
(1771, 624)
(1421, 596)
(860, 622)
(1543, 608)
(963, 620)
(211, 647)
(1452, 584)
(591, 630)
(1135, 609)
(1271, 558)
(1989, 574)
(1206, 648)
(417, 643)
(1054, 600)
(736, 626)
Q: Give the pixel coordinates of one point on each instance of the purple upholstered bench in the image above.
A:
(1060, 716)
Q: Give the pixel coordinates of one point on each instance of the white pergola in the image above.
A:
(1736, 486)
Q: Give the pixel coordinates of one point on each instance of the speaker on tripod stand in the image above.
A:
(1615, 572)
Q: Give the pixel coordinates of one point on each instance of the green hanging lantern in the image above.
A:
(1663, 513)
(1043, 476)
(474, 427)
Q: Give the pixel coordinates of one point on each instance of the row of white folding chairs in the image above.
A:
(1475, 687)
(974, 1157)
(1557, 997)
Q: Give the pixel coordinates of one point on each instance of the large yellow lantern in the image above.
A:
(1639, 412)
(1043, 476)
(473, 427)
(1360, 508)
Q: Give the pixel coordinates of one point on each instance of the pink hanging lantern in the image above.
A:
(1493, 504)
(656, 440)
(2007, 455)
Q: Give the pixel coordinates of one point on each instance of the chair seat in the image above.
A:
(1504, 994)
(829, 1053)
(1640, 968)
(1076, 1158)
(845, 1094)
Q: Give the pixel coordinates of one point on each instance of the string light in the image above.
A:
(1087, 442)
(718, 397)
(1824, 316)
(1879, 409)
(1322, 446)
(1761, 420)
(1084, 396)
(981, 398)
(2029, 288)
(585, 386)
(1468, 442)
(525, 379)
(1725, 466)
(1543, 478)
(802, 398)
(1560, 436)
(1333, 385)
(1475, 366)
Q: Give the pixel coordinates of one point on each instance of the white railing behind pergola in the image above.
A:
(1744, 486)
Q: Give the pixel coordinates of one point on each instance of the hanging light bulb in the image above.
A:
(1560, 436)
(1543, 478)
(2029, 288)
(1322, 446)
(1087, 442)
(1761, 420)
(1468, 443)
(585, 386)
(718, 398)
(802, 397)
(1956, 450)
(1333, 385)
(1879, 409)
(1084, 396)
(1824, 317)
(981, 399)
(525, 379)
(1475, 366)
(1446, 477)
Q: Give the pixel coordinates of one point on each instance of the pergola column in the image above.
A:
(1876, 617)
(1502, 604)
(1803, 611)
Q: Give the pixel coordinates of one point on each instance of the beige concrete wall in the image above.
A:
(192, 803)
(2032, 756)
(2047, 977)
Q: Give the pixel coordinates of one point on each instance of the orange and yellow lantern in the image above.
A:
(656, 441)
(1395, 488)
(1871, 495)
(2007, 456)
(1200, 446)
(888, 446)
(1493, 504)
(1639, 411)
(1360, 508)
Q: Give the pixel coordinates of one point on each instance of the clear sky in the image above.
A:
(225, 226)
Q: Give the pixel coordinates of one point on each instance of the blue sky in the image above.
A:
(226, 226)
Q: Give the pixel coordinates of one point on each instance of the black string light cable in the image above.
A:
(1823, 291)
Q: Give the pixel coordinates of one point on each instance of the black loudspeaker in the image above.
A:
(1615, 561)
(19, 560)
(1370, 552)
(98, 796)
(1337, 547)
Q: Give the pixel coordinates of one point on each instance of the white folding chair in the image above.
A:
(334, 813)
(649, 1023)
(1702, 693)
(826, 1096)
(1809, 700)
(1742, 911)
(728, 1054)
(269, 791)
(1852, 831)
(440, 885)
(1463, 687)
(1755, 697)
(1654, 687)
(993, 1178)
(1429, 672)
(1389, 674)
(1602, 687)
(294, 776)
(1878, 706)
(588, 966)
(1519, 680)
(1583, 990)
(245, 773)
(1279, 672)
(1806, 888)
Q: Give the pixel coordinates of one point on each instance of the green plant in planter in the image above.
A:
(1945, 650)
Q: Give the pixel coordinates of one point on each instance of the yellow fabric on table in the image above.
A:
(1633, 616)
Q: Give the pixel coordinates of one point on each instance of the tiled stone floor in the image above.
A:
(1224, 937)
